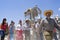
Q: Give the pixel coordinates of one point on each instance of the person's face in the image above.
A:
(12, 23)
(27, 22)
(20, 22)
(4, 21)
(48, 14)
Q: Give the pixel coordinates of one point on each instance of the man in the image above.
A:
(47, 25)
(27, 29)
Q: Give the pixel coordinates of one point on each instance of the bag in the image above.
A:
(6, 31)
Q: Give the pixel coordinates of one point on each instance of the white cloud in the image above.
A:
(59, 9)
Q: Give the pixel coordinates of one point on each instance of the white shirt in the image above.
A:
(18, 27)
(26, 26)
(36, 25)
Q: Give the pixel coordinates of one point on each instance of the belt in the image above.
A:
(48, 31)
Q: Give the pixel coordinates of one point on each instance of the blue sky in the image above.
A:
(14, 9)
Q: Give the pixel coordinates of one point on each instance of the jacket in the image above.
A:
(48, 25)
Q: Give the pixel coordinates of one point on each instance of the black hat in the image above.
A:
(12, 22)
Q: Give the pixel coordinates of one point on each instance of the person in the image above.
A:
(0, 32)
(4, 28)
(40, 36)
(55, 34)
(19, 31)
(35, 31)
(47, 25)
(55, 31)
(11, 30)
(0, 27)
(27, 29)
(37, 25)
(59, 31)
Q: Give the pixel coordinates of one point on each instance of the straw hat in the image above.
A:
(48, 12)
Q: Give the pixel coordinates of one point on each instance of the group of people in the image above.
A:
(14, 32)
(43, 28)
(6, 29)
(48, 25)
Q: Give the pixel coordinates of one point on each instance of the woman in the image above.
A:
(11, 30)
(4, 27)
(0, 32)
(19, 31)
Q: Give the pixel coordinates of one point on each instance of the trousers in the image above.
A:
(48, 35)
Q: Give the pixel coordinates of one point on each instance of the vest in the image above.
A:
(48, 24)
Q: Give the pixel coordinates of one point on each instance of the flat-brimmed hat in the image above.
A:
(48, 12)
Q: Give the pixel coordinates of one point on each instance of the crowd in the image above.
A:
(43, 29)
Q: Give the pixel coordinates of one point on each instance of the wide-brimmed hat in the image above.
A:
(48, 12)
(27, 20)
